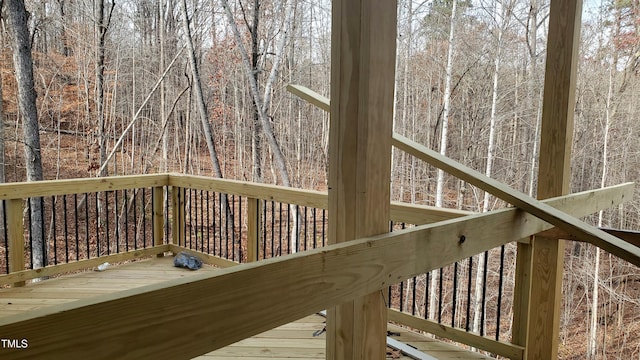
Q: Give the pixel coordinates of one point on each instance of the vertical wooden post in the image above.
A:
(158, 216)
(15, 234)
(547, 260)
(363, 43)
(253, 228)
(177, 221)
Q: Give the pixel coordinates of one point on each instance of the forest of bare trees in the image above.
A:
(199, 86)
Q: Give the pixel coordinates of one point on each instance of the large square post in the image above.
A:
(363, 50)
(545, 255)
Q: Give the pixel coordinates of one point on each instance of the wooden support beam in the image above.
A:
(177, 215)
(184, 318)
(158, 216)
(310, 96)
(15, 237)
(46, 188)
(575, 227)
(363, 49)
(501, 348)
(630, 236)
(554, 174)
(545, 212)
(281, 194)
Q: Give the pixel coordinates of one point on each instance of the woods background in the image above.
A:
(131, 87)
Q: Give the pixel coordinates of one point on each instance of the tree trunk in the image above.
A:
(102, 25)
(482, 259)
(199, 98)
(256, 143)
(19, 33)
(443, 145)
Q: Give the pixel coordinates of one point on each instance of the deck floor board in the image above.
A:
(290, 341)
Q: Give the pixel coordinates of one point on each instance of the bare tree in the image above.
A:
(102, 25)
(197, 88)
(23, 64)
(443, 139)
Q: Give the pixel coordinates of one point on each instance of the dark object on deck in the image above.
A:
(187, 261)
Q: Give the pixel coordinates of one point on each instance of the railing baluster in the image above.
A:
(53, 227)
(6, 235)
(126, 218)
(240, 229)
(135, 218)
(469, 281)
(273, 228)
(500, 284)
(75, 212)
(116, 219)
(86, 224)
(66, 233)
(144, 217)
(253, 228)
(98, 224)
(484, 293)
(454, 294)
(209, 225)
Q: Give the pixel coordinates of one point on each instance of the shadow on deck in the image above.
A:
(291, 341)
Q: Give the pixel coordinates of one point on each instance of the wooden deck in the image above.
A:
(291, 341)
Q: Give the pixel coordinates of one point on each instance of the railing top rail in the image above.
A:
(23, 190)
(311, 198)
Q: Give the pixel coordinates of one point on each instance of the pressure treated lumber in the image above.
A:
(573, 226)
(545, 212)
(15, 238)
(180, 319)
(554, 175)
(282, 194)
(158, 215)
(510, 351)
(363, 49)
(79, 186)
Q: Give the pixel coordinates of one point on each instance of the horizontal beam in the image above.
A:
(281, 194)
(25, 190)
(501, 348)
(400, 212)
(423, 214)
(184, 318)
(310, 96)
(632, 237)
(543, 211)
(23, 275)
(577, 228)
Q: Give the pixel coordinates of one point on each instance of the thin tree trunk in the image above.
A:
(19, 33)
(199, 98)
(256, 143)
(443, 144)
(446, 103)
(482, 259)
(592, 346)
(102, 25)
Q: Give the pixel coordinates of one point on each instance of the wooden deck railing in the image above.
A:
(176, 227)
